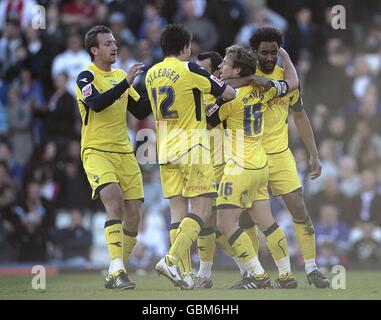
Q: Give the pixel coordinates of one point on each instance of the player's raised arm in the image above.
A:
(290, 75)
(100, 101)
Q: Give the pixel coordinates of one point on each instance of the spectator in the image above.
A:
(74, 58)
(221, 11)
(9, 42)
(34, 219)
(259, 16)
(121, 32)
(350, 182)
(20, 122)
(74, 242)
(78, 12)
(60, 116)
(366, 245)
(198, 24)
(20, 10)
(330, 194)
(332, 237)
(367, 205)
(301, 34)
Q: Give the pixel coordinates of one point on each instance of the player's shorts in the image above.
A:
(188, 180)
(109, 167)
(283, 174)
(241, 190)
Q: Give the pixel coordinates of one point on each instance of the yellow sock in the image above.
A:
(253, 234)
(206, 244)
(247, 224)
(129, 241)
(224, 244)
(184, 263)
(187, 232)
(114, 238)
(305, 234)
(277, 245)
(242, 246)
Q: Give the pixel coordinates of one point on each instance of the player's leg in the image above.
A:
(179, 210)
(235, 195)
(227, 223)
(172, 184)
(131, 222)
(247, 224)
(305, 234)
(206, 247)
(112, 199)
(284, 181)
(276, 243)
(101, 171)
(199, 186)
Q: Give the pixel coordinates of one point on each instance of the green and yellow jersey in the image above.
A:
(175, 89)
(275, 132)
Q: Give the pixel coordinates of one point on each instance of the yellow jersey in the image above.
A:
(104, 129)
(175, 90)
(275, 132)
(244, 120)
(216, 136)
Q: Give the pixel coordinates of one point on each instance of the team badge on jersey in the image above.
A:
(87, 91)
(216, 80)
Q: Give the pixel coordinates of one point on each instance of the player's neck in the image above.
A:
(265, 71)
(102, 65)
(179, 57)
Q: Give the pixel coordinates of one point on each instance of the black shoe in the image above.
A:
(285, 282)
(120, 281)
(318, 279)
(238, 284)
(203, 282)
(252, 282)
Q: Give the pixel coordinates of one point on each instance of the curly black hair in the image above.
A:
(266, 34)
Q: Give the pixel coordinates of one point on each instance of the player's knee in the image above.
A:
(133, 214)
(296, 206)
(116, 209)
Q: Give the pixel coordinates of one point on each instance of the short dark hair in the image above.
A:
(266, 34)
(243, 59)
(91, 39)
(174, 38)
(215, 59)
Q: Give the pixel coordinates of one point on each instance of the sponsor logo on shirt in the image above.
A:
(87, 91)
(216, 80)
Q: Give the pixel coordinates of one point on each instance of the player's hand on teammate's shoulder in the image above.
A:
(315, 168)
(263, 83)
(134, 71)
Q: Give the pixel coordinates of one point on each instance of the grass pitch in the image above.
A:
(359, 285)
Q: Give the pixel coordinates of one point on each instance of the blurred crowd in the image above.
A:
(41, 175)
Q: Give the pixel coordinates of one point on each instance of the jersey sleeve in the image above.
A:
(296, 101)
(204, 81)
(220, 114)
(91, 96)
